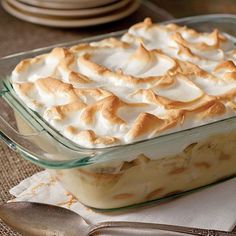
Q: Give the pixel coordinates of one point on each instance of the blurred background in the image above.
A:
(181, 8)
(57, 21)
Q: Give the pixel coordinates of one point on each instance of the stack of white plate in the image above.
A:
(70, 13)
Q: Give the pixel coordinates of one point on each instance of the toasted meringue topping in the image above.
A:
(156, 79)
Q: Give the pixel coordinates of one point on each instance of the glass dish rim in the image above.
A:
(186, 20)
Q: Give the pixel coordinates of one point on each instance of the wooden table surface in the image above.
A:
(17, 36)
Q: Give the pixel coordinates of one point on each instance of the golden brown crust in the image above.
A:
(91, 137)
(147, 123)
(76, 77)
(225, 65)
(88, 86)
(61, 111)
(24, 65)
(94, 92)
(217, 108)
(24, 88)
(227, 69)
(215, 37)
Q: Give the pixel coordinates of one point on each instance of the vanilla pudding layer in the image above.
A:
(201, 160)
(142, 179)
(155, 79)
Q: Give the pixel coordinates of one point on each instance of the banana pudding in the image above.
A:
(153, 81)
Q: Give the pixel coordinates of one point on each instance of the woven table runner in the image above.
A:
(13, 169)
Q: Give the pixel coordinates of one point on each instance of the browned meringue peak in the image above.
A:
(31, 68)
(147, 65)
(130, 61)
(204, 60)
(232, 105)
(163, 63)
(93, 46)
(25, 91)
(216, 86)
(165, 81)
(225, 66)
(230, 75)
(55, 87)
(85, 97)
(92, 95)
(148, 124)
(73, 76)
(201, 102)
(215, 39)
(57, 55)
(99, 72)
(111, 43)
(178, 41)
(24, 88)
(216, 109)
(227, 96)
(132, 36)
(146, 24)
(197, 105)
(183, 34)
(108, 107)
(142, 57)
(141, 33)
(196, 51)
(26, 63)
(152, 97)
(231, 54)
(181, 89)
(187, 68)
(186, 52)
(194, 35)
(203, 109)
(76, 78)
(90, 136)
(61, 112)
(226, 69)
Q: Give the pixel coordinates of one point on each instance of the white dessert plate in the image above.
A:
(69, 23)
(67, 4)
(70, 13)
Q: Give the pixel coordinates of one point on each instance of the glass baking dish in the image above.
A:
(124, 175)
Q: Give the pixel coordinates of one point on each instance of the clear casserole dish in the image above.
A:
(129, 174)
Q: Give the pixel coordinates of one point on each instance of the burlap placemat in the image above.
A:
(13, 169)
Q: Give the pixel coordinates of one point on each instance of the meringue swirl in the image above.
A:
(155, 79)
